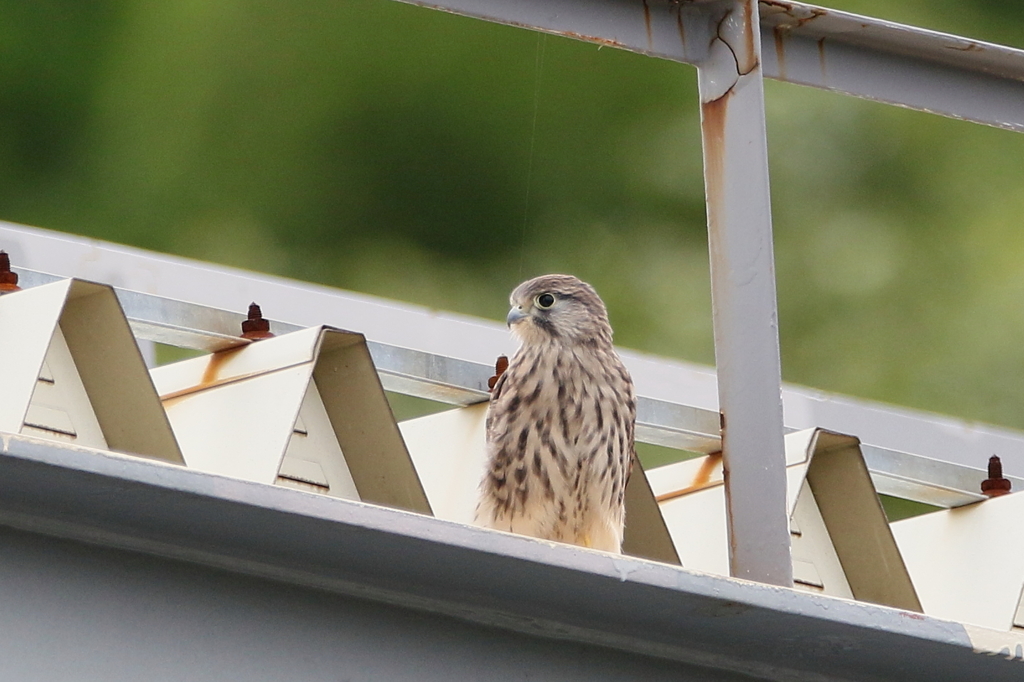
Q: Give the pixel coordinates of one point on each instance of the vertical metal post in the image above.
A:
(743, 295)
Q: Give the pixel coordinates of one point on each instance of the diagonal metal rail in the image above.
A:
(805, 44)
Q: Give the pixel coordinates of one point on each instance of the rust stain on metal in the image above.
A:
(815, 13)
(590, 39)
(647, 24)
(701, 480)
(748, 61)
(607, 42)
(211, 376)
(8, 279)
(784, 6)
(995, 485)
(969, 47)
(790, 10)
(680, 27)
(171, 399)
(213, 366)
(256, 327)
(712, 123)
(703, 476)
(821, 57)
(779, 33)
(750, 33)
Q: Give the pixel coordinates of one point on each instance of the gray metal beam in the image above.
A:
(809, 45)
(412, 574)
(284, 301)
(74, 612)
(926, 480)
(744, 309)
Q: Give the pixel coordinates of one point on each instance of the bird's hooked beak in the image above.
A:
(515, 315)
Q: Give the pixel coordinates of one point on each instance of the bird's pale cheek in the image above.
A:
(526, 331)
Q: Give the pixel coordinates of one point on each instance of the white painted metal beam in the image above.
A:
(745, 312)
(806, 44)
(893, 63)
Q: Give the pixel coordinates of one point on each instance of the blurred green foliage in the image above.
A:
(404, 152)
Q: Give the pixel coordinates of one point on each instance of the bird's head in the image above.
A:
(558, 308)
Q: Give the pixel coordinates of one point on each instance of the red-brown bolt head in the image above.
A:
(256, 327)
(8, 279)
(995, 485)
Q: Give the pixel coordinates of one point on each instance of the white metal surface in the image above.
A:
(239, 429)
(968, 563)
(449, 451)
(1018, 619)
(35, 315)
(841, 545)
(816, 565)
(313, 460)
(303, 410)
(70, 369)
(60, 406)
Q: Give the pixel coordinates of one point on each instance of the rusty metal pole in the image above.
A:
(743, 295)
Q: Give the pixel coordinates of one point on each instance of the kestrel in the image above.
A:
(560, 421)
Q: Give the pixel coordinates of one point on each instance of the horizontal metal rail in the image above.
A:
(805, 44)
(895, 64)
(911, 455)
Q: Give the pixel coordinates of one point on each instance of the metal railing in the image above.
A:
(912, 455)
(813, 46)
(742, 410)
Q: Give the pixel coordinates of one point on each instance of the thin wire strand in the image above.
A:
(538, 69)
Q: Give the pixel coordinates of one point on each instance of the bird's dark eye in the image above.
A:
(545, 301)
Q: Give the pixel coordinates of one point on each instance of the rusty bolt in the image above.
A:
(499, 368)
(256, 327)
(8, 279)
(995, 485)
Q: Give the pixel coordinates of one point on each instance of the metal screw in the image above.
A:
(995, 485)
(256, 327)
(8, 279)
(499, 368)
